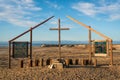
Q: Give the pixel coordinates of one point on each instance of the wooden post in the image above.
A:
(90, 55)
(93, 47)
(95, 62)
(59, 39)
(31, 43)
(111, 53)
(9, 54)
(41, 62)
(67, 62)
(82, 62)
(59, 36)
(30, 63)
(36, 62)
(107, 47)
(21, 63)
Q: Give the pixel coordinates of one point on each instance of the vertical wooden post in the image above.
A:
(9, 54)
(59, 38)
(82, 62)
(31, 63)
(41, 62)
(36, 62)
(67, 62)
(111, 53)
(95, 62)
(31, 43)
(93, 47)
(107, 47)
(90, 55)
(21, 63)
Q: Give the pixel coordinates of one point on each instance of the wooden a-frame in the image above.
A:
(108, 40)
(29, 30)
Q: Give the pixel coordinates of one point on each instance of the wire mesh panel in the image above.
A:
(20, 49)
(100, 47)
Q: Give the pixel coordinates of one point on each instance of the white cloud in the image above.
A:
(67, 26)
(86, 8)
(114, 17)
(54, 22)
(18, 12)
(110, 10)
(63, 24)
(54, 5)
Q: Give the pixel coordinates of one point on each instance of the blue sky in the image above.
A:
(17, 16)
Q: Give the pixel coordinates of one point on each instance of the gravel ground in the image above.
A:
(36, 73)
(71, 73)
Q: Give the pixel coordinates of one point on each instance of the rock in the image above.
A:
(43, 45)
(55, 64)
(58, 65)
(67, 46)
(81, 46)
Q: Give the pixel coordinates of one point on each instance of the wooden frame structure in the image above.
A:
(29, 30)
(108, 40)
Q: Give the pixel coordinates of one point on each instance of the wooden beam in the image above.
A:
(60, 29)
(80, 23)
(32, 28)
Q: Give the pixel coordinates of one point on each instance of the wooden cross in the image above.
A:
(59, 36)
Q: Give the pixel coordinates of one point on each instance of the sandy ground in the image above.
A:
(74, 72)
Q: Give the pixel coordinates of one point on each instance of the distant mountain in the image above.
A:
(38, 43)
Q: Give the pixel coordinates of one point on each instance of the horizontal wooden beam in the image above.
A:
(58, 28)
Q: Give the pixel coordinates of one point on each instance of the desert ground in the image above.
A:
(74, 72)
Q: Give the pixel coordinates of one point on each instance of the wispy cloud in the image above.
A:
(63, 24)
(111, 10)
(54, 5)
(18, 12)
(86, 8)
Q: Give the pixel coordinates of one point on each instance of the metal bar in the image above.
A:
(31, 43)
(32, 28)
(60, 29)
(102, 35)
(9, 55)
(90, 55)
